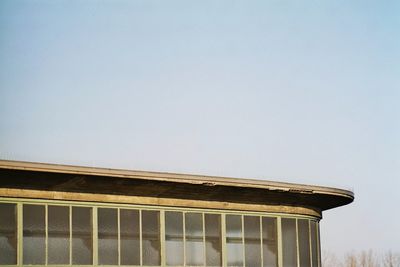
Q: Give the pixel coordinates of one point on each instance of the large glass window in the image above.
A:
(58, 235)
(174, 238)
(270, 242)
(107, 236)
(314, 243)
(34, 240)
(53, 234)
(304, 242)
(130, 237)
(8, 233)
(252, 240)
(289, 242)
(151, 246)
(213, 238)
(194, 239)
(82, 237)
(234, 240)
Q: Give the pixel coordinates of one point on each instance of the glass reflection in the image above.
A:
(289, 250)
(174, 238)
(270, 244)
(130, 240)
(107, 236)
(8, 234)
(234, 240)
(304, 242)
(34, 233)
(194, 239)
(151, 238)
(82, 238)
(252, 241)
(58, 235)
(213, 239)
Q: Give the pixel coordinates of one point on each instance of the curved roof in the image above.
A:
(43, 176)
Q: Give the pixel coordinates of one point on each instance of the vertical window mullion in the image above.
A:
(223, 236)
(243, 245)
(318, 244)
(297, 243)
(162, 238)
(95, 255)
(46, 226)
(310, 243)
(70, 235)
(261, 242)
(119, 236)
(204, 240)
(184, 238)
(140, 238)
(20, 227)
(280, 245)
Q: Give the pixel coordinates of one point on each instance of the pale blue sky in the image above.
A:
(298, 91)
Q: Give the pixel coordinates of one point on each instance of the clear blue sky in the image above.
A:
(299, 91)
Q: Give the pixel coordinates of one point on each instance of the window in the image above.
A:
(289, 242)
(34, 234)
(130, 237)
(8, 234)
(174, 238)
(65, 234)
(58, 235)
(270, 242)
(234, 240)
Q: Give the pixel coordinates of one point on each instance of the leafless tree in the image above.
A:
(329, 259)
(366, 258)
(391, 259)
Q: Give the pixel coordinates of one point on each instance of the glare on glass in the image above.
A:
(234, 240)
(194, 239)
(252, 241)
(174, 238)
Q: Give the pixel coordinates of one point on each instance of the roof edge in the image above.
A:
(178, 178)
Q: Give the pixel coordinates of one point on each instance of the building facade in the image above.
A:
(68, 215)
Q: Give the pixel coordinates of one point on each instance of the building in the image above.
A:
(68, 215)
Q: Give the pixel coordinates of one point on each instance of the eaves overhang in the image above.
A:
(66, 178)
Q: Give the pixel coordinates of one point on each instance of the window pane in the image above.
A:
(314, 243)
(151, 238)
(58, 235)
(174, 238)
(34, 234)
(234, 240)
(289, 250)
(194, 239)
(304, 243)
(130, 241)
(252, 241)
(270, 244)
(213, 239)
(82, 237)
(8, 233)
(108, 236)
